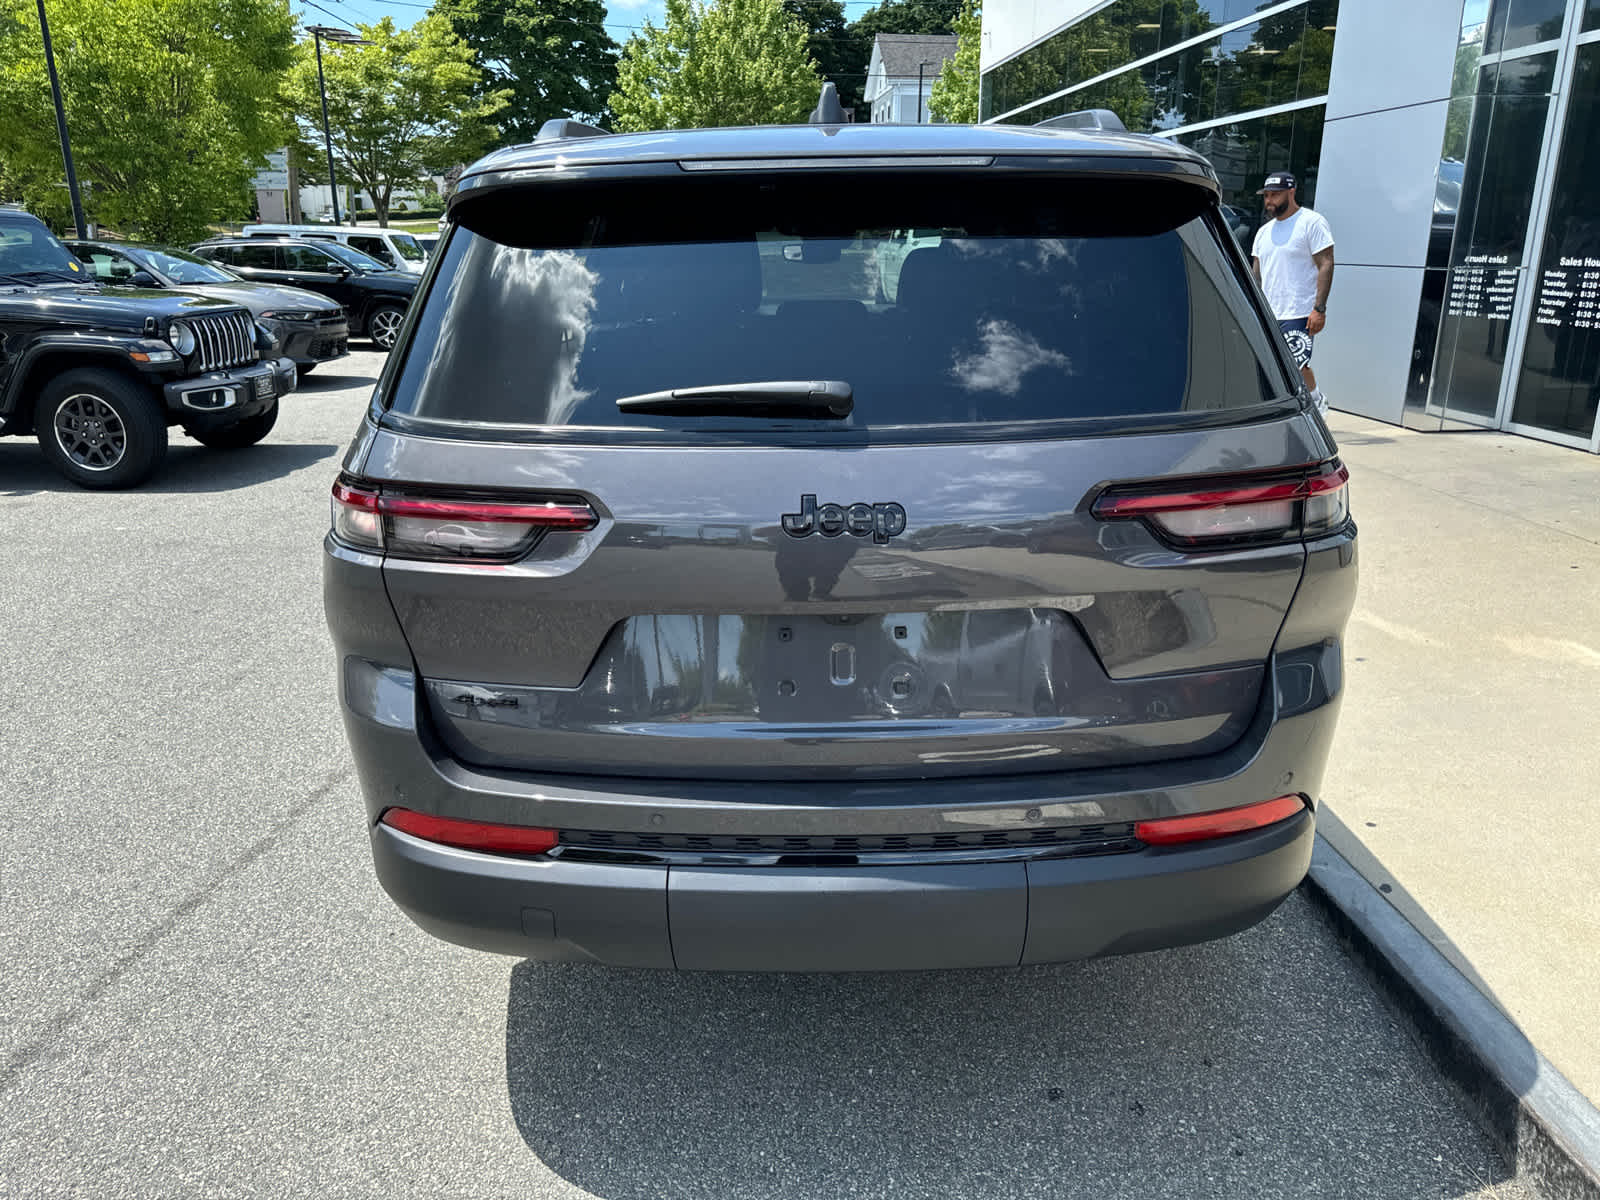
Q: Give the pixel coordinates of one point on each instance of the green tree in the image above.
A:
(955, 92)
(1463, 86)
(410, 104)
(734, 62)
(908, 16)
(553, 57)
(840, 51)
(171, 105)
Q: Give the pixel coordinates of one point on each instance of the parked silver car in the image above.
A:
(704, 606)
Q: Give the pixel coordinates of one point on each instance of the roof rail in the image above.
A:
(828, 110)
(1088, 118)
(565, 127)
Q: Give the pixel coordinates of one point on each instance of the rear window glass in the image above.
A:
(939, 301)
(407, 246)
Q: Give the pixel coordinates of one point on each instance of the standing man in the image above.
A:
(1293, 261)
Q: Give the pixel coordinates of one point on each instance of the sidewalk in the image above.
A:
(1463, 777)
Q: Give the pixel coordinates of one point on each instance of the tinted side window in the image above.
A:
(376, 247)
(105, 264)
(263, 258)
(306, 258)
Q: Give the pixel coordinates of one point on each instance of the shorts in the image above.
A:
(1294, 332)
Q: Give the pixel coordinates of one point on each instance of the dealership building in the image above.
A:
(1454, 149)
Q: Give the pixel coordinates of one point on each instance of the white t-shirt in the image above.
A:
(1284, 249)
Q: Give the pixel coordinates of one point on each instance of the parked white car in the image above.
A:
(395, 248)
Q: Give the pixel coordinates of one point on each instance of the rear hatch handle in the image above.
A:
(820, 399)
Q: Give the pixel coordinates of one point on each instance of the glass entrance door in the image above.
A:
(1513, 288)
(1558, 385)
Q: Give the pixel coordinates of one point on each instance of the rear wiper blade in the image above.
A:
(820, 399)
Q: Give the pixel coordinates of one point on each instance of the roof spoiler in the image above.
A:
(828, 110)
(1102, 119)
(565, 127)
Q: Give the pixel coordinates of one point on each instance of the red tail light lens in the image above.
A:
(1236, 510)
(415, 526)
(471, 835)
(1170, 831)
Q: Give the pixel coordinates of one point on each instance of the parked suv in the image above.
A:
(310, 329)
(373, 296)
(98, 373)
(707, 607)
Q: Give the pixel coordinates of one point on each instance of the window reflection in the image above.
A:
(1277, 60)
(1514, 23)
(1242, 154)
(1483, 201)
(1560, 379)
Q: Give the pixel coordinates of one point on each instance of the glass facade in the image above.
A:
(1276, 60)
(1508, 332)
(1508, 328)
(1244, 152)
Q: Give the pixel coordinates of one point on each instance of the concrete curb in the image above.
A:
(1547, 1130)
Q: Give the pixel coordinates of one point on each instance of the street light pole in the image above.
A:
(928, 62)
(327, 136)
(61, 126)
(344, 37)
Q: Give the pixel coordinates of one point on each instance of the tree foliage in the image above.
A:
(410, 104)
(955, 92)
(908, 16)
(733, 62)
(841, 52)
(553, 57)
(171, 105)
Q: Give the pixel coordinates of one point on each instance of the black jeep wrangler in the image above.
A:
(99, 373)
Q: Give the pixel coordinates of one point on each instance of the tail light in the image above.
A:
(409, 525)
(1200, 827)
(1241, 510)
(471, 835)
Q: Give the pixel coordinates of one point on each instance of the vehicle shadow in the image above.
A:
(188, 467)
(325, 380)
(1262, 1064)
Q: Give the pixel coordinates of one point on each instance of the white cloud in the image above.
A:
(1008, 354)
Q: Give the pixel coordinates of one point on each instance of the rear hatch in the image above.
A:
(808, 474)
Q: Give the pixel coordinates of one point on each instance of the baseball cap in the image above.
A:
(1278, 181)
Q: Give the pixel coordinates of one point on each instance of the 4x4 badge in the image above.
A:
(882, 521)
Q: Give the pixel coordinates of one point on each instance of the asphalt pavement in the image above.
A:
(205, 993)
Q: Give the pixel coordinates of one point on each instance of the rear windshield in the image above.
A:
(939, 301)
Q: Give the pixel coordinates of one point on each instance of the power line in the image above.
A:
(446, 9)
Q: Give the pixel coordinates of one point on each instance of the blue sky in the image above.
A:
(624, 16)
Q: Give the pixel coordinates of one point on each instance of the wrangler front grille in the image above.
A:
(223, 341)
(1103, 839)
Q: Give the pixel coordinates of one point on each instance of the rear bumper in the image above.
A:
(844, 918)
(978, 909)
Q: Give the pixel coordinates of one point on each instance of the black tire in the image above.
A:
(240, 434)
(383, 325)
(100, 429)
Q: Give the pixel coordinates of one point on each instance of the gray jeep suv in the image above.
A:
(702, 603)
